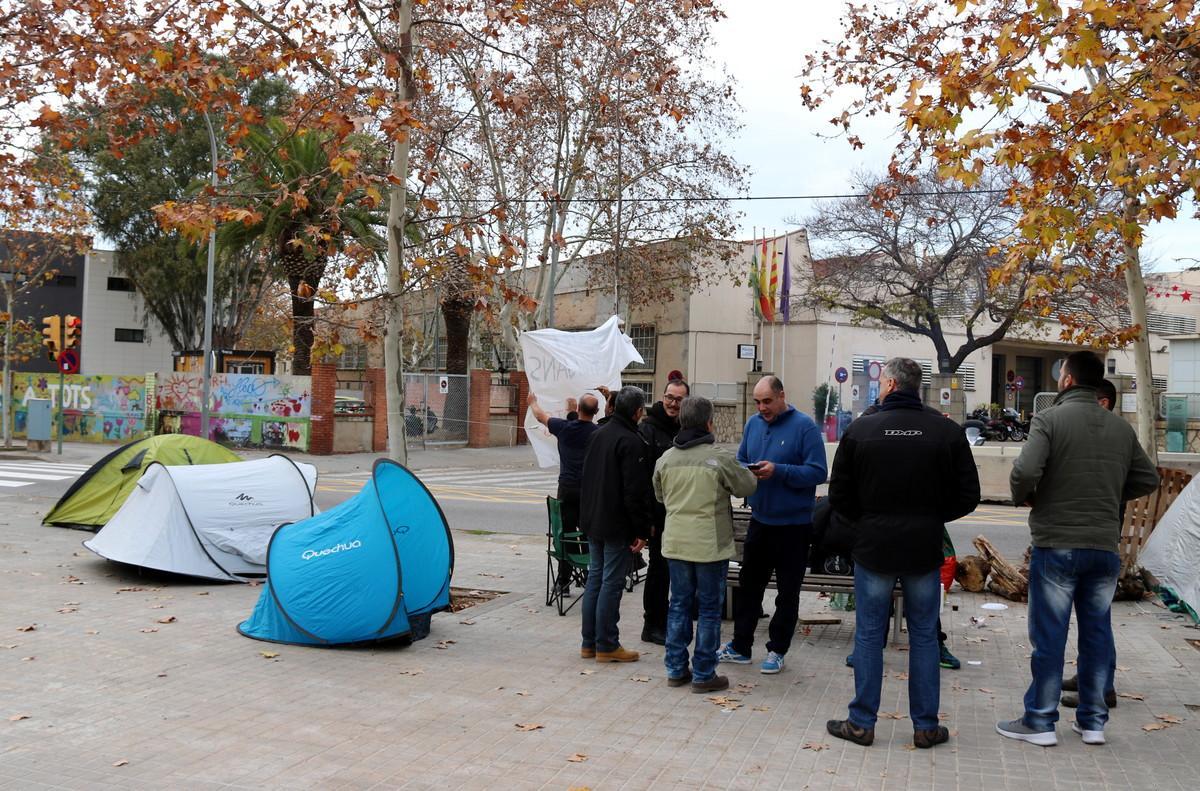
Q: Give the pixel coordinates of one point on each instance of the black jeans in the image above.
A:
(568, 498)
(657, 586)
(782, 549)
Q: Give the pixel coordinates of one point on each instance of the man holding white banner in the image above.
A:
(561, 365)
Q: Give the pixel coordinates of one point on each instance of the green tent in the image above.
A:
(98, 493)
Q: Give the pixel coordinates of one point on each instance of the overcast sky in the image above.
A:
(763, 44)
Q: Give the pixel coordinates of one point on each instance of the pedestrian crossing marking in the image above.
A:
(18, 473)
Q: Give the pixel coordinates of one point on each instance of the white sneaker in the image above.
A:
(1089, 737)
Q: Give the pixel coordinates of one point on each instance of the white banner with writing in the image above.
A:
(561, 365)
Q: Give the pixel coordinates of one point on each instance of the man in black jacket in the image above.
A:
(899, 476)
(617, 517)
(658, 428)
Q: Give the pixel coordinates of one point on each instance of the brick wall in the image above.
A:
(376, 397)
(479, 410)
(517, 378)
(324, 386)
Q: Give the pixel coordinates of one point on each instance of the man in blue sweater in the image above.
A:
(785, 451)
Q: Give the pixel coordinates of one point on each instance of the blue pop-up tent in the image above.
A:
(375, 567)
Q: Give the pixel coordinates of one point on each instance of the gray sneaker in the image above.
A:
(1017, 729)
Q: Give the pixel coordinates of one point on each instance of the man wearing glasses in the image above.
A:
(658, 428)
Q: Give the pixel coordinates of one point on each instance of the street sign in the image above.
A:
(68, 361)
(1019, 383)
(443, 384)
(841, 374)
(854, 393)
(945, 396)
(1011, 375)
(874, 369)
(747, 351)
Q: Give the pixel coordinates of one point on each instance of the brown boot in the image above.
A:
(927, 739)
(587, 653)
(714, 684)
(618, 655)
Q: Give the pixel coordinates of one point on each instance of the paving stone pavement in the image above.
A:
(114, 698)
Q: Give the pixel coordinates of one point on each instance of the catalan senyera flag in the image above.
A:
(773, 289)
(785, 291)
(756, 281)
(766, 304)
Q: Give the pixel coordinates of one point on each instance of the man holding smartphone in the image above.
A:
(784, 449)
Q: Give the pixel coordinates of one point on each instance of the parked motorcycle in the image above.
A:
(1017, 429)
(988, 426)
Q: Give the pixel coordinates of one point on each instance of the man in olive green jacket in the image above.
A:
(1080, 463)
(694, 480)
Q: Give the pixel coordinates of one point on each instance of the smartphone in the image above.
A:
(755, 466)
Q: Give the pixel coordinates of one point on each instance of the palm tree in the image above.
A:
(305, 211)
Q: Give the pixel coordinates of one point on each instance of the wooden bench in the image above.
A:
(1142, 514)
(813, 583)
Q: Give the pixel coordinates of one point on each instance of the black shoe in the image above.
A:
(714, 684)
(1071, 699)
(927, 739)
(651, 634)
(564, 588)
(844, 729)
(1071, 684)
(849, 660)
(682, 681)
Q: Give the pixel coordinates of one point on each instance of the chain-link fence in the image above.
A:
(436, 409)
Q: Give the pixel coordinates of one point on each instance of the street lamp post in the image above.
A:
(208, 293)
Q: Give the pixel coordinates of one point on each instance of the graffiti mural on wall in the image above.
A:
(95, 408)
(247, 409)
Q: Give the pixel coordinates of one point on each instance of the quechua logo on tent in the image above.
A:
(309, 554)
(244, 499)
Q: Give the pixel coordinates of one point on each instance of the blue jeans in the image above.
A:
(1058, 579)
(609, 564)
(703, 583)
(873, 603)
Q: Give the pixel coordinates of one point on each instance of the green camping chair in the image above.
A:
(564, 549)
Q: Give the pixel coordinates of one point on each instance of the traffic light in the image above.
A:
(52, 335)
(72, 327)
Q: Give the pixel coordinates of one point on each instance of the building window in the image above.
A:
(645, 340)
(1112, 365)
(966, 375)
(122, 335)
(1163, 323)
(859, 362)
(645, 385)
(120, 284)
(245, 367)
(353, 357)
(65, 281)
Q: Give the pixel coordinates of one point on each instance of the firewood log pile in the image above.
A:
(1005, 579)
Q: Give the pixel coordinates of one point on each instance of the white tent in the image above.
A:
(210, 520)
(1172, 552)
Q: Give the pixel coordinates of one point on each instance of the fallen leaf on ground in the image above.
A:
(71, 579)
(70, 604)
(157, 606)
(901, 676)
(490, 574)
(129, 589)
(121, 762)
(721, 700)
(18, 717)
(28, 658)
(150, 629)
(892, 715)
(586, 672)
(268, 654)
(1164, 626)
(815, 746)
(202, 593)
(1131, 695)
(92, 631)
(640, 679)
(744, 686)
(985, 690)
(467, 622)
(167, 619)
(1155, 726)
(761, 708)
(1170, 719)
(411, 672)
(943, 715)
(444, 644)
(68, 609)
(528, 726)
(909, 746)
(577, 758)
(30, 628)
(162, 675)
(521, 693)
(10, 645)
(1123, 669)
